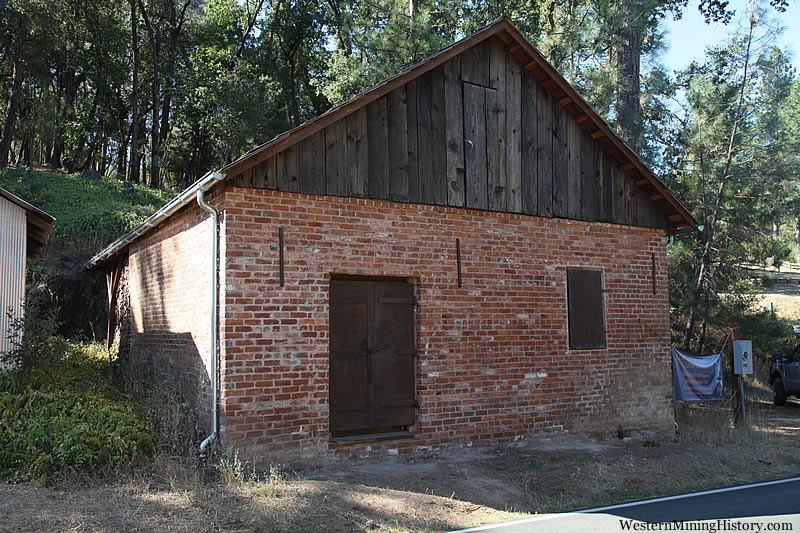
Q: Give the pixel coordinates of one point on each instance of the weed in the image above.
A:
(233, 469)
(237, 472)
(270, 486)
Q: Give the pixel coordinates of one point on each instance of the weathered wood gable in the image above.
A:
(477, 131)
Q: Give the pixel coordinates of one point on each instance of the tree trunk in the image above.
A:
(155, 140)
(91, 158)
(124, 138)
(103, 155)
(76, 158)
(293, 87)
(167, 104)
(797, 230)
(71, 84)
(25, 152)
(189, 175)
(11, 112)
(134, 158)
(34, 107)
(16, 159)
(170, 77)
(629, 51)
(54, 157)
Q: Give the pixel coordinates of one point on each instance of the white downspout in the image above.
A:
(213, 328)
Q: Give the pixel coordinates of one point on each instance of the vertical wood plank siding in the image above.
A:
(12, 268)
(477, 131)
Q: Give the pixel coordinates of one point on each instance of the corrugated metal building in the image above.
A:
(24, 229)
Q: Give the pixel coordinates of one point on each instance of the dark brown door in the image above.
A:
(349, 394)
(371, 356)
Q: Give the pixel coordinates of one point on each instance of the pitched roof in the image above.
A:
(516, 44)
(38, 223)
(546, 74)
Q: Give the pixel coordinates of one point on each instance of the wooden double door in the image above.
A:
(372, 378)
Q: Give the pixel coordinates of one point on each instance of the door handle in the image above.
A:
(379, 348)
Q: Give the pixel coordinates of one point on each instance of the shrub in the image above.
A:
(68, 417)
(768, 332)
(39, 346)
(33, 335)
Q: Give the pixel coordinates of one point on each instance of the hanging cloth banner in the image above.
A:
(697, 377)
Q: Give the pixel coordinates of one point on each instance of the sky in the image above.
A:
(689, 36)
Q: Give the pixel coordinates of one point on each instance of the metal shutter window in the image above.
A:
(586, 322)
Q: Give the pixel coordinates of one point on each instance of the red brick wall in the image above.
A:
(494, 363)
(169, 279)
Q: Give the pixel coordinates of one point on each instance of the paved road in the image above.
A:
(742, 508)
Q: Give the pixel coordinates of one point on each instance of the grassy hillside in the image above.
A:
(89, 213)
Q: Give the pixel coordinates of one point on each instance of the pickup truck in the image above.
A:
(784, 376)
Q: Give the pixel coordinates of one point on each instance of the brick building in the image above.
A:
(464, 254)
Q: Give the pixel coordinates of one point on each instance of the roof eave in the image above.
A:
(514, 36)
(597, 120)
(38, 224)
(174, 205)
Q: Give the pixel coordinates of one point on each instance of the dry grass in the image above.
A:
(452, 490)
(783, 296)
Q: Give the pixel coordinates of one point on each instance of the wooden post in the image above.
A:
(736, 400)
(113, 276)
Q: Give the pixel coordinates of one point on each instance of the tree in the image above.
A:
(730, 142)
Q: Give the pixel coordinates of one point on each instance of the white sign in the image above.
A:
(743, 357)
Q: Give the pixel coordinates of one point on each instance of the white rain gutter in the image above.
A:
(213, 327)
(156, 218)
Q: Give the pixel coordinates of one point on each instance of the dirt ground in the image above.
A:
(452, 490)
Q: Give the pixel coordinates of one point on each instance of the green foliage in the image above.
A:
(89, 213)
(768, 332)
(35, 345)
(66, 418)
